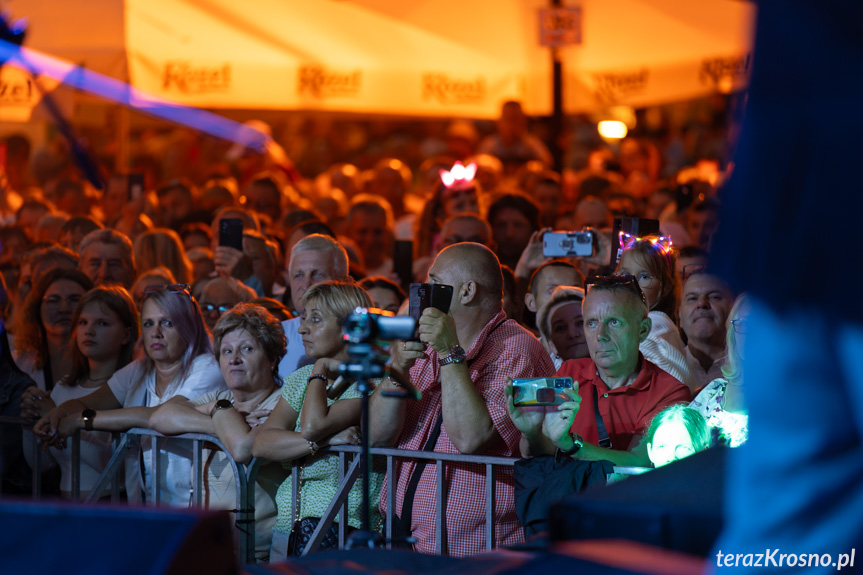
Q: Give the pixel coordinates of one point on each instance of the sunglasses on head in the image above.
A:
(624, 280)
(173, 288)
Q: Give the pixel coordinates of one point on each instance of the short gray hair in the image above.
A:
(322, 243)
(112, 237)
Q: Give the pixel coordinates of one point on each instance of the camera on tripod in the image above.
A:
(367, 325)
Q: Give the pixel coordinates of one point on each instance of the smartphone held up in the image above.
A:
(425, 295)
(568, 244)
(540, 391)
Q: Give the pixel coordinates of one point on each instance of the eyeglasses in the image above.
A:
(739, 325)
(173, 288)
(54, 301)
(627, 281)
(210, 308)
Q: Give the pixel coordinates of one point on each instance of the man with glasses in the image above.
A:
(617, 391)
(221, 294)
(704, 309)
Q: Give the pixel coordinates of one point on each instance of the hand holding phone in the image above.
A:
(567, 244)
(425, 295)
(231, 233)
(540, 391)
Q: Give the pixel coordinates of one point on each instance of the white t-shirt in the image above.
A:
(95, 445)
(664, 347)
(133, 390)
(295, 357)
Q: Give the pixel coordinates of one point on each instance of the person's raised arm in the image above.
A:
(319, 420)
(557, 424)
(529, 421)
(387, 414)
(465, 415)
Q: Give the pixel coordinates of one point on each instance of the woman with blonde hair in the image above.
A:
(163, 247)
(306, 419)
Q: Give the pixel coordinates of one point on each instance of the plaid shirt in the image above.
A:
(500, 351)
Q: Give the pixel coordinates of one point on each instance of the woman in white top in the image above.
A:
(651, 260)
(105, 329)
(177, 364)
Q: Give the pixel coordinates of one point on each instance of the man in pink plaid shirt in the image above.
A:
(460, 365)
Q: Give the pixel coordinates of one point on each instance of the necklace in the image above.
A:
(98, 379)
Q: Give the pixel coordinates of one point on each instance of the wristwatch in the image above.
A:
(577, 443)
(88, 415)
(456, 355)
(220, 405)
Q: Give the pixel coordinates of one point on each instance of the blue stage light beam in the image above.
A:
(39, 63)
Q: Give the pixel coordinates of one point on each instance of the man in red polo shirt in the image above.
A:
(616, 389)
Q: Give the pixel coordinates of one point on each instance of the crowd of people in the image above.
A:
(138, 310)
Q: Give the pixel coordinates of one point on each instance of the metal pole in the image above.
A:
(557, 103)
(364, 455)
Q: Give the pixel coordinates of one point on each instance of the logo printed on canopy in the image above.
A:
(195, 79)
(723, 73)
(321, 82)
(611, 87)
(447, 90)
(17, 91)
(19, 94)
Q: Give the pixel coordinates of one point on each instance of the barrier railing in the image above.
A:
(244, 478)
(347, 478)
(36, 452)
(246, 475)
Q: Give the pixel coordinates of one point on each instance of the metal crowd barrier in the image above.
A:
(244, 478)
(349, 475)
(246, 475)
(36, 451)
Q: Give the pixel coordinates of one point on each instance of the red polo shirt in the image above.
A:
(626, 410)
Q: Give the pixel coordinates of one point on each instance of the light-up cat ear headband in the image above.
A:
(627, 241)
(460, 177)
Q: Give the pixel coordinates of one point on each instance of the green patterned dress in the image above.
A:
(320, 476)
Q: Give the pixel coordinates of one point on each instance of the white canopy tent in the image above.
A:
(633, 52)
(444, 58)
(272, 54)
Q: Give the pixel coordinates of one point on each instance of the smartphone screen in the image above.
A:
(231, 233)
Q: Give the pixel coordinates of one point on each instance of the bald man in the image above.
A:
(460, 364)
